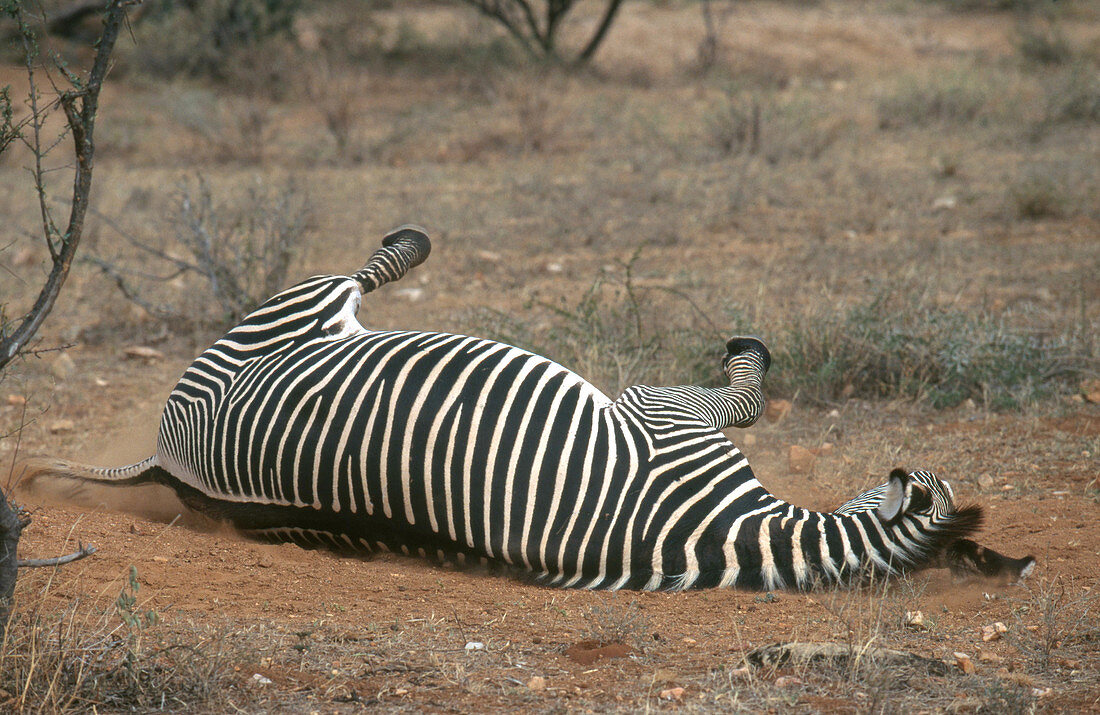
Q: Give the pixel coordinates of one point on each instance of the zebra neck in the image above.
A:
(778, 545)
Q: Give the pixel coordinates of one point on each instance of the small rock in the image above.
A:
(688, 641)
(489, 256)
(825, 448)
(787, 681)
(985, 481)
(965, 664)
(474, 645)
(915, 619)
(742, 673)
(554, 268)
(62, 366)
(993, 631)
(985, 656)
(60, 426)
(401, 691)
(17, 400)
(800, 460)
(537, 684)
(261, 679)
(833, 413)
(25, 257)
(1007, 488)
(100, 382)
(1041, 692)
(143, 352)
(944, 203)
(1090, 390)
(672, 694)
(411, 294)
(776, 410)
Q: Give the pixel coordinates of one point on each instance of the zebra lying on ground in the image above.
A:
(300, 425)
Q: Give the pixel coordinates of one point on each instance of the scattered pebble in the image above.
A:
(554, 268)
(142, 352)
(672, 694)
(261, 680)
(474, 645)
(536, 684)
(800, 460)
(1041, 692)
(1090, 390)
(944, 203)
(993, 631)
(60, 426)
(411, 294)
(17, 400)
(689, 641)
(985, 481)
(100, 382)
(965, 664)
(62, 366)
(776, 410)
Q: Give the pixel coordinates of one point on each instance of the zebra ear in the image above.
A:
(894, 498)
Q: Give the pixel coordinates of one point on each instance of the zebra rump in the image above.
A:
(302, 425)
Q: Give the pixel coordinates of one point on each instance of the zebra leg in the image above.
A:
(402, 249)
(747, 361)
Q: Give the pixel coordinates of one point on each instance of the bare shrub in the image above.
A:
(619, 333)
(239, 251)
(1057, 622)
(1037, 196)
(242, 42)
(120, 657)
(955, 98)
(613, 623)
(898, 345)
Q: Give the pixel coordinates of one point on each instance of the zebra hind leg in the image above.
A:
(747, 361)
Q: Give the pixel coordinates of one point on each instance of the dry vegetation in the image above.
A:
(904, 200)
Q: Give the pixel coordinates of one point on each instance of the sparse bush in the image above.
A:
(239, 249)
(1037, 196)
(616, 335)
(1073, 97)
(226, 40)
(117, 658)
(734, 125)
(897, 346)
(612, 623)
(1057, 621)
(1042, 44)
(955, 98)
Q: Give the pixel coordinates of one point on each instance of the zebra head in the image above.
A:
(922, 502)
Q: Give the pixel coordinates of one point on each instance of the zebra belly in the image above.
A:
(423, 440)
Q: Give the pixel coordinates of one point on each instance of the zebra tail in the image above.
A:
(145, 471)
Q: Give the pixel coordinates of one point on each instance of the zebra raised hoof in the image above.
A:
(302, 425)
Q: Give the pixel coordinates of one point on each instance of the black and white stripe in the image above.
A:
(301, 425)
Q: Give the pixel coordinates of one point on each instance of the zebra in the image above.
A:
(301, 425)
(963, 557)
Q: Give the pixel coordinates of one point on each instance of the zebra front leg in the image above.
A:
(402, 249)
